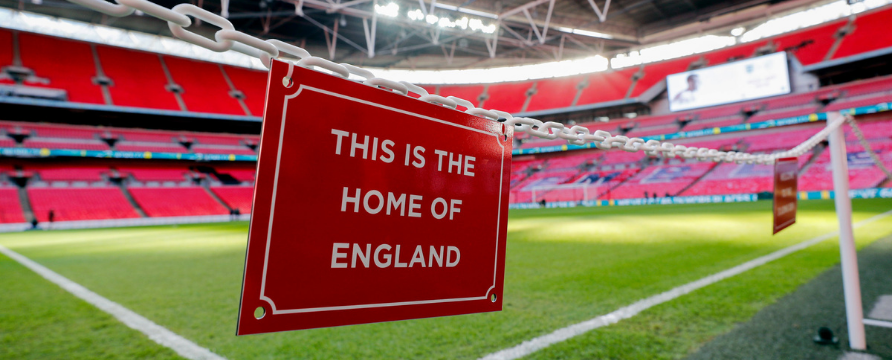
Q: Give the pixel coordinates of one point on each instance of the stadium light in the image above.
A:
(389, 10)
(584, 33)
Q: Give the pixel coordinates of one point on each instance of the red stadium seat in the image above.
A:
(154, 173)
(467, 92)
(252, 84)
(138, 78)
(656, 72)
(5, 52)
(176, 201)
(820, 37)
(237, 197)
(80, 203)
(607, 86)
(508, 97)
(74, 74)
(10, 207)
(204, 87)
(554, 93)
(871, 33)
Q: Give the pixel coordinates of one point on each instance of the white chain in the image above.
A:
(227, 38)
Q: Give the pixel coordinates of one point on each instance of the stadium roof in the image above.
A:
(473, 33)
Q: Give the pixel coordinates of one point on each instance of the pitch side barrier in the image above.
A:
(873, 193)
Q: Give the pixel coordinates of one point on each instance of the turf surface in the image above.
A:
(563, 266)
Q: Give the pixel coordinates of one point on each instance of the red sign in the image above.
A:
(371, 206)
(786, 173)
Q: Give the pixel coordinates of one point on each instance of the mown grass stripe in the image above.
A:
(530, 346)
(155, 332)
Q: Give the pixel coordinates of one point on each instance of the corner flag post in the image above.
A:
(847, 252)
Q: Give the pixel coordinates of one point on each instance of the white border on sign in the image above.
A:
(364, 306)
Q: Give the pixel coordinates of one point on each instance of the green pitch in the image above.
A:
(563, 266)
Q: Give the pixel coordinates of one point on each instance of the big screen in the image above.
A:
(738, 81)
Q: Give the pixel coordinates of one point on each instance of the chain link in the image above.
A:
(227, 38)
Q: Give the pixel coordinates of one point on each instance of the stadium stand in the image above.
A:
(10, 207)
(176, 201)
(471, 93)
(870, 33)
(138, 80)
(73, 203)
(554, 93)
(74, 75)
(252, 84)
(204, 87)
(508, 97)
(236, 197)
(6, 53)
(606, 86)
(661, 179)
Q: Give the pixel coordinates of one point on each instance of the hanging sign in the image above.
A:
(371, 206)
(786, 173)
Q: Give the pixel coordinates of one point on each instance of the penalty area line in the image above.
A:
(563, 334)
(155, 332)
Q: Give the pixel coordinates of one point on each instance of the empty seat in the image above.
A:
(74, 75)
(176, 201)
(468, 92)
(72, 173)
(5, 52)
(50, 143)
(607, 86)
(237, 197)
(554, 93)
(80, 203)
(657, 72)
(138, 78)
(871, 33)
(810, 45)
(204, 87)
(252, 84)
(508, 97)
(10, 207)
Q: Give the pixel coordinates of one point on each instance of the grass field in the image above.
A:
(563, 266)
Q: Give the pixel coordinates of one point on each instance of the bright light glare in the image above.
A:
(738, 31)
(585, 33)
(389, 10)
(492, 75)
(810, 17)
(671, 50)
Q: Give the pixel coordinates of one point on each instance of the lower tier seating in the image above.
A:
(71, 203)
(10, 207)
(237, 197)
(176, 201)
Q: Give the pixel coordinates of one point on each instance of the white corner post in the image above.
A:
(847, 252)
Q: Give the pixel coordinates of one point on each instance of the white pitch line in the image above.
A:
(559, 335)
(157, 333)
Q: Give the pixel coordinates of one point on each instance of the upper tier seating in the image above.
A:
(74, 75)
(508, 97)
(176, 201)
(10, 207)
(138, 78)
(871, 33)
(252, 84)
(206, 90)
(554, 93)
(217, 149)
(6, 54)
(237, 197)
(204, 87)
(606, 86)
(72, 203)
(470, 93)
